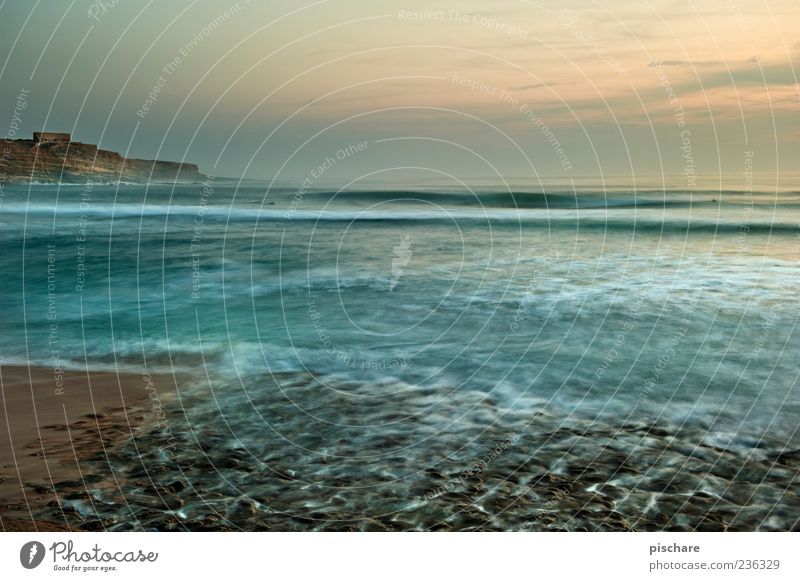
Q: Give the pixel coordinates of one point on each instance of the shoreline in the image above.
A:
(52, 156)
(15, 181)
(109, 470)
(52, 422)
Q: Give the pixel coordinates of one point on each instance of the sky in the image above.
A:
(347, 92)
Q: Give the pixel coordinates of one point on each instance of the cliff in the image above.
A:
(24, 160)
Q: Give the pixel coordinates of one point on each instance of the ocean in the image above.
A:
(367, 354)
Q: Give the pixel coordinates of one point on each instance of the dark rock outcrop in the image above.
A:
(26, 160)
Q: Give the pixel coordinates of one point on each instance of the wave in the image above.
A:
(575, 219)
(552, 199)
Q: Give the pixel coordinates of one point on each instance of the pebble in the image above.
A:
(585, 477)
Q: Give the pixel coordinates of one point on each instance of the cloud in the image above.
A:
(533, 86)
(770, 74)
(752, 72)
(684, 63)
(707, 63)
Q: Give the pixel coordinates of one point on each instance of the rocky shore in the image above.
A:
(27, 160)
(541, 474)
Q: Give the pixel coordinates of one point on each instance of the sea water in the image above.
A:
(377, 324)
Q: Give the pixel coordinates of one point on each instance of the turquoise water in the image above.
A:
(668, 305)
(389, 320)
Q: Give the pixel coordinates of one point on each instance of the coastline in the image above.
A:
(108, 470)
(95, 181)
(55, 157)
(52, 422)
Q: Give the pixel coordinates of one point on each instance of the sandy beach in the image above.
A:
(51, 422)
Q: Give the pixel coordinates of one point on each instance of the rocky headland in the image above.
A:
(57, 159)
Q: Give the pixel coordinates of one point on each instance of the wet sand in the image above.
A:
(533, 471)
(52, 423)
(103, 465)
